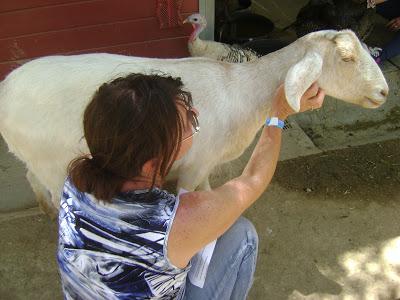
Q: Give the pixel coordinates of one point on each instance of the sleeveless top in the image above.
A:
(117, 250)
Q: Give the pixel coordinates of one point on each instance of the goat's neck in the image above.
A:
(254, 84)
(260, 79)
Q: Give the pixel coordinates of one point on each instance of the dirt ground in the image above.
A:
(328, 227)
(364, 173)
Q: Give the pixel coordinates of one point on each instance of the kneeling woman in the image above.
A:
(121, 236)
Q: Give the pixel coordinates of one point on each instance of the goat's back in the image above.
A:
(46, 90)
(42, 102)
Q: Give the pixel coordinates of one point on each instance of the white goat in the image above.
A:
(42, 102)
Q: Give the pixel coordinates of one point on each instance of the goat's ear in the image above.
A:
(300, 77)
(346, 41)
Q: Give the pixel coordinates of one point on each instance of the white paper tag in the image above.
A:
(201, 261)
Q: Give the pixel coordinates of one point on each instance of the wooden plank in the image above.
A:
(10, 5)
(52, 18)
(167, 48)
(86, 38)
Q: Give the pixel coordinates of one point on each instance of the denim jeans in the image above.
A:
(232, 266)
(390, 9)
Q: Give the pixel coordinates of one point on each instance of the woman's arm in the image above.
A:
(204, 216)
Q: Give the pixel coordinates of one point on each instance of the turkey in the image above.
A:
(335, 14)
(212, 49)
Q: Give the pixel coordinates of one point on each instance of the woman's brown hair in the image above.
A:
(128, 122)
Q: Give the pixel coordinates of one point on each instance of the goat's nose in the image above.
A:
(384, 93)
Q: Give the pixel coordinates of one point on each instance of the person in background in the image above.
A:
(389, 9)
(121, 235)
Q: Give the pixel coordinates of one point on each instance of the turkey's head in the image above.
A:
(198, 22)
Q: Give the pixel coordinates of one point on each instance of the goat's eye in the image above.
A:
(195, 19)
(348, 59)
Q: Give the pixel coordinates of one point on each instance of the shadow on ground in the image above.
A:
(329, 226)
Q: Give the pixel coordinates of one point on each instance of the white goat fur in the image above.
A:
(42, 102)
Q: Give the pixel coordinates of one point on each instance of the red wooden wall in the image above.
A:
(33, 28)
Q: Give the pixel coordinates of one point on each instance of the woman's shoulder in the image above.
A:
(69, 190)
(155, 196)
(155, 206)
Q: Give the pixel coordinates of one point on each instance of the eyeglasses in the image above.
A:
(192, 116)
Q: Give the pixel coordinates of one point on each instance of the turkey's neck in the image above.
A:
(197, 29)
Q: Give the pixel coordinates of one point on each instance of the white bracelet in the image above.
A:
(274, 121)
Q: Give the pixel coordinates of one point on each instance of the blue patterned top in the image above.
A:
(117, 250)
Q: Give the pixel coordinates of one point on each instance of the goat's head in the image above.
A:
(342, 66)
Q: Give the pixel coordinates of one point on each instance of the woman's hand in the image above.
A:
(394, 24)
(312, 98)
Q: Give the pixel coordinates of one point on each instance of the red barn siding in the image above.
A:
(33, 28)
(8, 5)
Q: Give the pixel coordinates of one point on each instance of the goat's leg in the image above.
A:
(193, 177)
(43, 196)
(204, 185)
(56, 198)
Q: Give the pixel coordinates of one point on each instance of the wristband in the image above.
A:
(274, 121)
